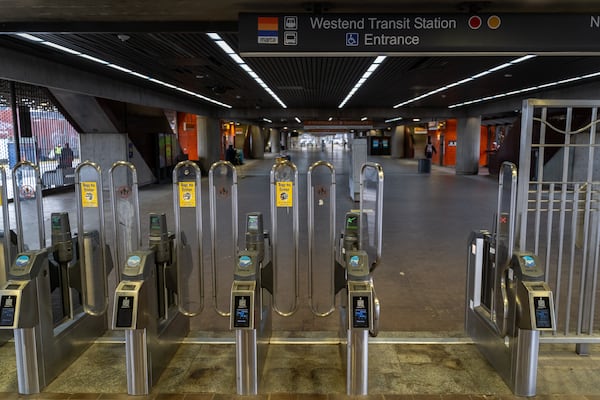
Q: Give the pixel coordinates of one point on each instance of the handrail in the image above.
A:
(379, 221)
(185, 288)
(120, 259)
(39, 203)
(213, 223)
(311, 236)
(282, 164)
(95, 200)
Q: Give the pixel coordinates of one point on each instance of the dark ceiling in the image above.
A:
(168, 40)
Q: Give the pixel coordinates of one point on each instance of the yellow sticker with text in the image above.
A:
(89, 195)
(187, 194)
(284, 194)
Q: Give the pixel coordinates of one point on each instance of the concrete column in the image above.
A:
(397, 142)
(275, 140)
(257, 147)
(284, 140)
(208, 141)
(468, 134)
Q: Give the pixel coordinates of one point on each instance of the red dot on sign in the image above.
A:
(474, 22)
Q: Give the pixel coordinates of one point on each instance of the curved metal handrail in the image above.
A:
(136, 203)
(181, 281)
(5, 223)
(283, 163)
(213, 223)
(311, 238)
(88, 308)
(379, 221)
(510, 169)
(39, 204)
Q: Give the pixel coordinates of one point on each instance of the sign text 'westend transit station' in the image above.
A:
(328, 34)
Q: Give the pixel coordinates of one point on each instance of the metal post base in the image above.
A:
(246, 362)
(28, 365)
(525, 362)
(139, 374)
(357, 363)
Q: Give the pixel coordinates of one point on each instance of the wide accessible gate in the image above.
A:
(558, 208)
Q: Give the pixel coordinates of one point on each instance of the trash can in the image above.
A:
(424, 165)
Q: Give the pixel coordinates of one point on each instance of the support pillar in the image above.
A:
(275, 140)
(468, 132)
(257, 147)
(397, 142)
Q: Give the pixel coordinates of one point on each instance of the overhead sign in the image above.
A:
(363, 34)
(336, 126)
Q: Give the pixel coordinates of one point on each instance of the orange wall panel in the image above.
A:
(187, 132)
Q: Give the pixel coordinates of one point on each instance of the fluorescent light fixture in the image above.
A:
(387, 121)
(29, 37)
(298, 120)
(527, 89)
(61, 48)
(239, 61)
(363, 79)
(267, 120)
(469, 79)
(416, 119)
(330, 119)
(118, 67)
(363, 118)
(94, 59)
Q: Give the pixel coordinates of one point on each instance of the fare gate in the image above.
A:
(509, 302)
(160, 284)
(347, 265)
(46, 300)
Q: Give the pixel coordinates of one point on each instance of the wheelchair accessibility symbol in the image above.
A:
(352, 39)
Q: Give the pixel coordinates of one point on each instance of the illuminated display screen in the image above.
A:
(241, 312)
(55, 221)
(155, 222)
(125, 312)
(7, 312)
(543, 318)
(253, 222)
(360, 312)
(352, 221)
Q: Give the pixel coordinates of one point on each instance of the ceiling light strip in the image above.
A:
(239, 61)
(363, 79)
(470, 79)
(528, 89)
(117, 67)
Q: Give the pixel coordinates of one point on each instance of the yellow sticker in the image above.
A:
(284, 194)
(187, 194)
(0, 199)
(89, 194)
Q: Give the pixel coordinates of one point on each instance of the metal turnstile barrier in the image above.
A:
(508, 302)
(93, 251)
(223, 184)
(125, 207)
(151, 301)
(188, 225)
(42, 298)
(348, 269)
(285, 229)
(320, 181)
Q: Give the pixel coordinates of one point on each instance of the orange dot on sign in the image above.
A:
(494, 22)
